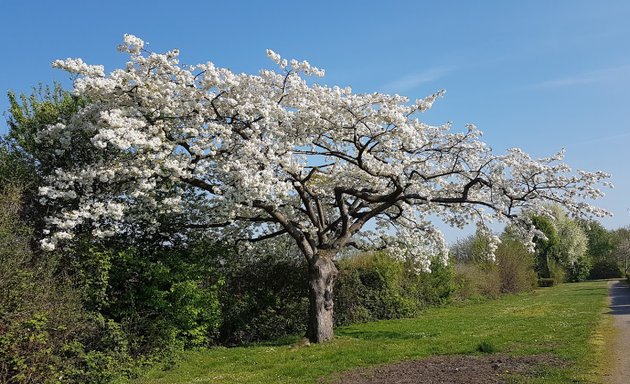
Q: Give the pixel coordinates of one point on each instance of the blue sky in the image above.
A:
(540, 75)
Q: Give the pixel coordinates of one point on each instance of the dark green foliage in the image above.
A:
(262, 299)
(486, 347)
(376, 286)
(600, 241)
(369, 288)
(605, 269)
(579, 270)
(601, 249)
(45, 334)
(621, 251)
(164, 299)
(429, 289)
(546, 282)
(546, 249)
(14, 167)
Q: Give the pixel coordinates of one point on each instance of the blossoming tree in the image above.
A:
(260, 156)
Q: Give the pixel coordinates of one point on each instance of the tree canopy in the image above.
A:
(250, 157)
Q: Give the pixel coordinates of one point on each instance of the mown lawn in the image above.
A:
(561, 320)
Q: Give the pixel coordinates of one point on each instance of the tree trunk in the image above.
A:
(322, 276)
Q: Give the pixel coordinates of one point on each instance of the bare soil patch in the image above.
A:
(490, 369)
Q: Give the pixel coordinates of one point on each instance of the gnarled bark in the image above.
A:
(322, 277)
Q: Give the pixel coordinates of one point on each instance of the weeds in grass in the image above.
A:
(486, 347)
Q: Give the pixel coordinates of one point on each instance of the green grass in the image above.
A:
(559, 320)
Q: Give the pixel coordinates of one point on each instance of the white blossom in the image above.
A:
(274, 154)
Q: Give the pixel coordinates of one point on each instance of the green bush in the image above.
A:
(579, 270)
(546, 282)
(516, 267)
(262, 298)
(376, 286)
(45, 334)
(477, 280)
(164, 298)
(511, 270)
(376, 289)
(557, 272)
(605, 269)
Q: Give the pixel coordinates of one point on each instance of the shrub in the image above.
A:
(512, 271)
(262, 298)
(45, 334)
(546, 282)
(375, 286)
(557, 272)
(430, 288)
(515, 265)
(579, 270)
(378, 289)
(164, 298)
(477, 280)
(605, 269)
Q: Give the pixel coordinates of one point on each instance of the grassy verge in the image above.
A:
(559, 320)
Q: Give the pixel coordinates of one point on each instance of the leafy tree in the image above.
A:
(473, 248)
(547, 246)
(621, 251)
(563, 249)
(600, 241)
(601, 244)
(162, 296)
(252, 157)
(31, 116)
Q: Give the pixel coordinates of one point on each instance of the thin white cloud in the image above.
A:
(591, 77)
(608, 138)
(411, 81)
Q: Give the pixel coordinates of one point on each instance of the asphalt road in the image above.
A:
(620, 309)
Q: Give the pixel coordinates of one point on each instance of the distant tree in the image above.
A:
(253, 157)
(563, 248)
(621, 251)
(572, 246)
(600, 249)
(600, 240)
(472, 248)
(547, 245)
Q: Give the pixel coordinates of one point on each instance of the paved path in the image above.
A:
(620, 309)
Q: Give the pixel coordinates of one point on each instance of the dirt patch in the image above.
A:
(449, 370)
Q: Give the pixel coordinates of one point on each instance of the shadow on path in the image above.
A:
(619, 293)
